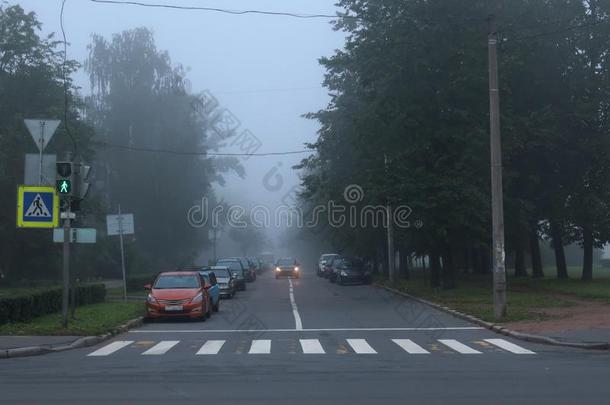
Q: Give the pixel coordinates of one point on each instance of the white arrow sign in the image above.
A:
(42, 131)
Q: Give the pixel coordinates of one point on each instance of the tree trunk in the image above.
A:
(520, 261)
(560, 256)
(435, 270)
(448, 269)
(537, 271)
(587, 262)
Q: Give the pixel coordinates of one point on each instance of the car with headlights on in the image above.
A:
(287, 266)
(351, 270)
(178, 294)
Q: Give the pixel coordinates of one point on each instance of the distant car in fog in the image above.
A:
(287, 266)
(327, 267)
(351, 270)
(226, 282)
(237, 270)
(325, 258)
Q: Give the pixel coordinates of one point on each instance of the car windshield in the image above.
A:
(176, 282)
(222, 273)
(286, 262)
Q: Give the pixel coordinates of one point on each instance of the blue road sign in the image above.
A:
(37, 207)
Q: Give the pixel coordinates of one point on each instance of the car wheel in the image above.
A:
(208, 315)
(217, 306)
(339, 280)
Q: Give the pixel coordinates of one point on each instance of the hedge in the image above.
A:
(25, 307)
(136, 283)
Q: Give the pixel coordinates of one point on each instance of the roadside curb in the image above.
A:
(84, 341)
(499, 328)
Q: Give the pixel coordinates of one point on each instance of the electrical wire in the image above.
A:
(557, 32)
(191, 153)
(222, 10)
(65, 79)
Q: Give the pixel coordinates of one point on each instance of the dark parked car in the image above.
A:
(287, 267)
(226, 281)
(250, 272)
(351, 270)
(237, 269)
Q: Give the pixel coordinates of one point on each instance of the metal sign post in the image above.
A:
(122, 255)
(121, 224)
(66, 268)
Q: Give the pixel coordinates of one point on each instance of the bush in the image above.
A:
(136, 283)
(23, 308)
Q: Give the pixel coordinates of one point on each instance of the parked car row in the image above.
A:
(343, 270)
(196, 292)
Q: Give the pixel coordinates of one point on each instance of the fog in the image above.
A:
(263, 69)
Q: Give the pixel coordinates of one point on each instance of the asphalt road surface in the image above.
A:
(308, 341)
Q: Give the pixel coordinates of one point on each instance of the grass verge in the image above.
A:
(474, 295)
(95, 319)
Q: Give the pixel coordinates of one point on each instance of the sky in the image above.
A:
(263, 69)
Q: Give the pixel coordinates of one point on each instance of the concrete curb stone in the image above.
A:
(84, 341)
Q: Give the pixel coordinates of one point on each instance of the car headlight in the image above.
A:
(278, 269)
(343, 273)
(151, 300)
(296, 269)
(198, 298)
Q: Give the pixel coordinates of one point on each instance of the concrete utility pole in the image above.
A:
(65, 301)
(497, 208)
(390, 231)
(122, 255)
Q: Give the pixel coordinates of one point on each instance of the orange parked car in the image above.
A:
(178, 294)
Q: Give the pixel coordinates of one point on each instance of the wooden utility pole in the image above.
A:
(497, 208)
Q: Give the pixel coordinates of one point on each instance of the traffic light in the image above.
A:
(64, 179)
(82, 181)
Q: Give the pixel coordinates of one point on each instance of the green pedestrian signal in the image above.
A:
(64, 187)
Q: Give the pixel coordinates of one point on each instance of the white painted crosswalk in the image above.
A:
(111, 348)
(315, 346)
(211, 347)
(458, 347)
(161, 347)
(410, 347)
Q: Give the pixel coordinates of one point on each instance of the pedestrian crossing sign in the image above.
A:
(37, 207)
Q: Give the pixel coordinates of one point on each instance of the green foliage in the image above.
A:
(409, 115)
(24, 307)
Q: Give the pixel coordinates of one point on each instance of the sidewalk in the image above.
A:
(585, 321)
(14, 342)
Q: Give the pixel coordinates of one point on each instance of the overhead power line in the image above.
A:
(191, 153)
(222, 10)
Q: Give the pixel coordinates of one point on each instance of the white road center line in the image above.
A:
(458, 347)
(506, 345)
(111, 348)
(311, 346)
(161, 348)
(295, 310)
(260, 347)
(360, 346)
(410, 347)
(211, 347)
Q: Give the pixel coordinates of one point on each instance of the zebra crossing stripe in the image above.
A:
(260, 347)
(111, 348)
(211, 347)
(410, 347)
(361, 346)
(458, 347)
(506, 345)
(161, 348)
(311, 346)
